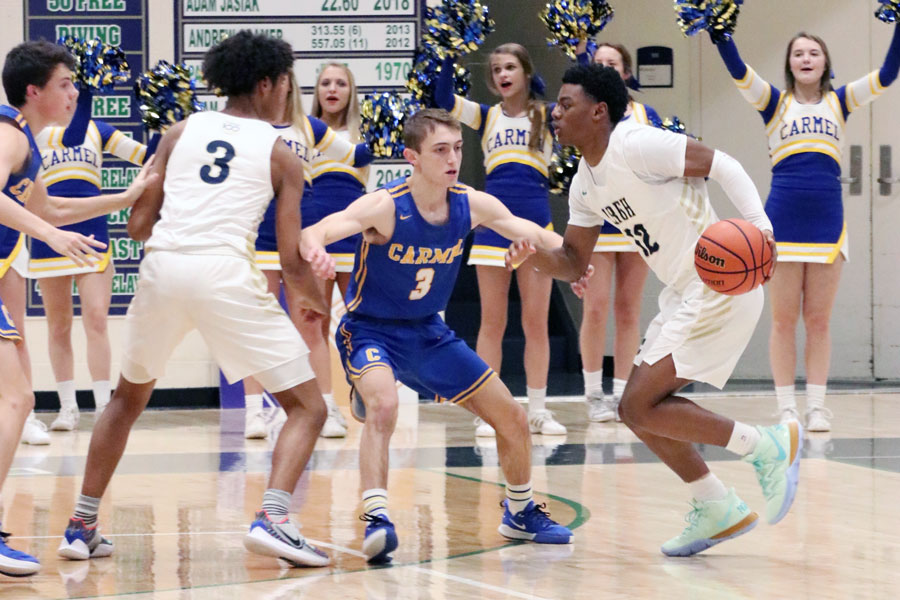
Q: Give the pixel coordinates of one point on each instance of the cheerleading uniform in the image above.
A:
(308, 140)
(335, 185)
(515, 174)
(805, 145)
(71, 166)
(17, 186)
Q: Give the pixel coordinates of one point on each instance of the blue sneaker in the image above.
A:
(357, 406)
(15, 563)
(535, 525)
(283, 540)
(777, 463)
(81, 542)
(381, 538)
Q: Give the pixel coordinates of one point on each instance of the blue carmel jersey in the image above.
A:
(18, 186)
(413, 274)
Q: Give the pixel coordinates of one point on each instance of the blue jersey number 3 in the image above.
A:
(220, 162)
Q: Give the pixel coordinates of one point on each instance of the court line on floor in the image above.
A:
(477, 584)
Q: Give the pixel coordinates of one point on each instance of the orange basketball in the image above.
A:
(732, 257)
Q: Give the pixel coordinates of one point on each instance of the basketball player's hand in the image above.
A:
(770, 240)
(321, 263)
(518, 253)
(579, 286)
(78, 247)
(144, 178)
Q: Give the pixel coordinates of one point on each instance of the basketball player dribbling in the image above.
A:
(649, 183)
(217, 173)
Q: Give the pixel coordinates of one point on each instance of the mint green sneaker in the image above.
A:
(777, 463)
(710, 523)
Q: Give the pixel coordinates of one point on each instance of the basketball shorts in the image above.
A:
(8, 329)
(704, 331)
(425, 355)
(808, 224)
(613, 240)
(489, 247)
(45, 262)
(225, 299)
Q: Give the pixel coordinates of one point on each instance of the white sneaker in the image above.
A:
(482, 429)
(602, 409)
(542, 421)
(817, 419)
(333, 427)
(35, 432)
(255, 426)
(788, 414)
(338, 416)
(67, 419)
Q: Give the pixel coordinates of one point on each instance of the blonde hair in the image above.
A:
(535, 107)
(351, 116)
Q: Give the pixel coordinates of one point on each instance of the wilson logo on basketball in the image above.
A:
(702, 254)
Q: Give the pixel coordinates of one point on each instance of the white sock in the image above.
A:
(66, 391)
(101, 393)
(593, 383)
(518, 497)
(743, 439)
(786, 397)
(618, 387)
(815, 396)
(253, 403)
(537, 399)
(375, 502)
(329, 400)
(708, 488)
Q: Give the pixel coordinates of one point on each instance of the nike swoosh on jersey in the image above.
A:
(404, 217)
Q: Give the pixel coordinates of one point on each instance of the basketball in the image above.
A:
(732, 257)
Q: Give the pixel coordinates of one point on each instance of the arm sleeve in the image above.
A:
(118, 144)
(865, 89)
(443, 87)
(580, 212)
(338, 149)
(655, 154)
(762, 95)
(77, 129)
(468, 112)
(739, 188)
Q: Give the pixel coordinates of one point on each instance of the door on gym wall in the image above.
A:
(730, 123)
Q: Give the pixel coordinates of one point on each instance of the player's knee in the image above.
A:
(631, 413)
(21, 401)
(381, 408)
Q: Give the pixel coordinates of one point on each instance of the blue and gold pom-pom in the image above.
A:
(718, 17)
(166, 94)
(383, 118)
(423, 77)
(889, 11)
(672, 124)
(98, 66)
(571, 21)
(456, 27)
(563, 166)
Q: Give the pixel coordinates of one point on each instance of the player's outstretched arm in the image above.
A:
(371, 214)
(548, 251)
(145, 211)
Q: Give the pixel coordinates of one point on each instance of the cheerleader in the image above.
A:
(308, 137)
(71, 166)
(517, 145)
(805, 125)
(613, 252)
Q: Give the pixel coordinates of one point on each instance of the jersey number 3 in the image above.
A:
(220, 164)
(423, 278)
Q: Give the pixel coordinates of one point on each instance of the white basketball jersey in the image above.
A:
(639, 187)
(218, 185)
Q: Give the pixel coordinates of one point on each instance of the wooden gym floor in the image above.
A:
(187, 488)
